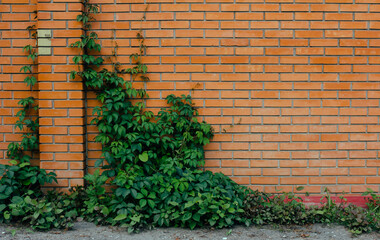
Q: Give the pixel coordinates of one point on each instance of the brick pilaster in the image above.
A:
(61, 98)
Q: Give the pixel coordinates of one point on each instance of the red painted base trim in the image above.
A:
(316, 200)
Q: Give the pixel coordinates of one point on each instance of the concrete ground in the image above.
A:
(88, 231)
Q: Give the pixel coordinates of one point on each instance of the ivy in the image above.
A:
(151, 160)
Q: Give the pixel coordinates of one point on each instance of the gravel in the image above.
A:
(88, 231)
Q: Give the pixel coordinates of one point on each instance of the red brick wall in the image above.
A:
(291, 87)
(15, 17)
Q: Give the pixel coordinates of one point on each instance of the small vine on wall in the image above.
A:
(20, 178)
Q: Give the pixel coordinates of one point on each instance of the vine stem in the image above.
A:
(85, 12)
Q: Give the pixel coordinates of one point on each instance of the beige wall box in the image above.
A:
(44, 42)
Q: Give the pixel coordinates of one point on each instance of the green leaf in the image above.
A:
(99, 162)
(143, 202)
(58, 211)
(36, 215)
(30, 81)
(13, 162)
(197, 217)
(120, 217)
(7, 215)
(2, 207)
(144, 157)
(134, 193)
(3, 196)
(26, 69)
(186, 216)
(181, 187)
(151, 203)
(211, 222)
(77, 59)
(144, 192)
(152, 195)
(139, 196)
(189, 204)
(24, 164)
(192, 225)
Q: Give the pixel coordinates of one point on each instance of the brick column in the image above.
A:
(15, 16)
(60, 98)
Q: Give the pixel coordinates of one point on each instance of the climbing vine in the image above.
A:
(25, 120)
(152, 160)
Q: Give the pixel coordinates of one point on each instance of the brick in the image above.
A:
(247, 171)
(339, 33)
(293, 180)
(324, 7)
(176, 24)
(334, 171)
(278, 34)
(264, 180)
(357, 25)
(363, 171)
(294, 25)
(240, 59)
(373, 180)
(69, 174)
(322, 163)
(294, 42)
(235, 163)
(295, 7)
(220, 16)
(54, 165)
(51, 7)
(351, 180)
(234, 25)
(309, 51)
(339, 16)
(204, 7)
(322, 146)
(338, 189)
(234, 42)
(234, 7)
(261, 25)
(278, 16)
(308, 16)
(323, 60)
(322, 180)
(241, 180)
(333, 154)
(367, 34)
(248, 16)
(190, 16)
(325, 25)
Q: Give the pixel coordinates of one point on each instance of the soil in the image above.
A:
(88, 231)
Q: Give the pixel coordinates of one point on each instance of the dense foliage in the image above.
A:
(286, 208)
(151, 163)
